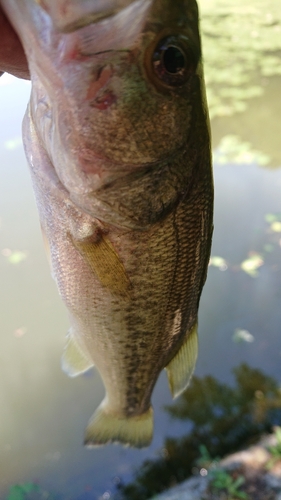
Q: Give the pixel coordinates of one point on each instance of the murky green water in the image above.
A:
(42, 412)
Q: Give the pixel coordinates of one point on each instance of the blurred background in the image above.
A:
(42, 412)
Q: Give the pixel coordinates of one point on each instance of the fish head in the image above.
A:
(121, 95)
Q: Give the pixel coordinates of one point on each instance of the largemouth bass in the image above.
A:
(117, 139)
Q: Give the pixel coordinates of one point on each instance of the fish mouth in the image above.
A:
(70, 15)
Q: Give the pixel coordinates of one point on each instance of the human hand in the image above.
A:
(12, 56)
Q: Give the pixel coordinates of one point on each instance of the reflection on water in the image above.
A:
(241, 45)
(223, 419)
(240, 41)
(43, 413)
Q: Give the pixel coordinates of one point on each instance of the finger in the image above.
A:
(12, 56)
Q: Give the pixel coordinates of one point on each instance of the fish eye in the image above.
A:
(172, 61)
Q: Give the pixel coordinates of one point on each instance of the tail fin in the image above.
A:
(105, 427)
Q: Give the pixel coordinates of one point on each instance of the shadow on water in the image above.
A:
(220, 419)
(223, 419)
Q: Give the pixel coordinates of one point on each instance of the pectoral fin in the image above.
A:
(104, 261)
(181, 368)
(75, 360)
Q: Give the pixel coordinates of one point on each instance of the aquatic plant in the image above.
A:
(223, 481)
(205, 459)
(20, 491)
(28, 491)
(275, 450)
(224, 419)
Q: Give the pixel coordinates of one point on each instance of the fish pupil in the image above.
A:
(173, 60)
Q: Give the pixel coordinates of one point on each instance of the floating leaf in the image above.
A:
(239, 42)
(17, 257)
(270, 217)
(242, 336)
(276, 226)
(233, 150)
(268, 247)
(14, 257)
(219, 262)
(251, 264)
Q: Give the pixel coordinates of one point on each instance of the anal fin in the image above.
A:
(74, 359)
(181, 368)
